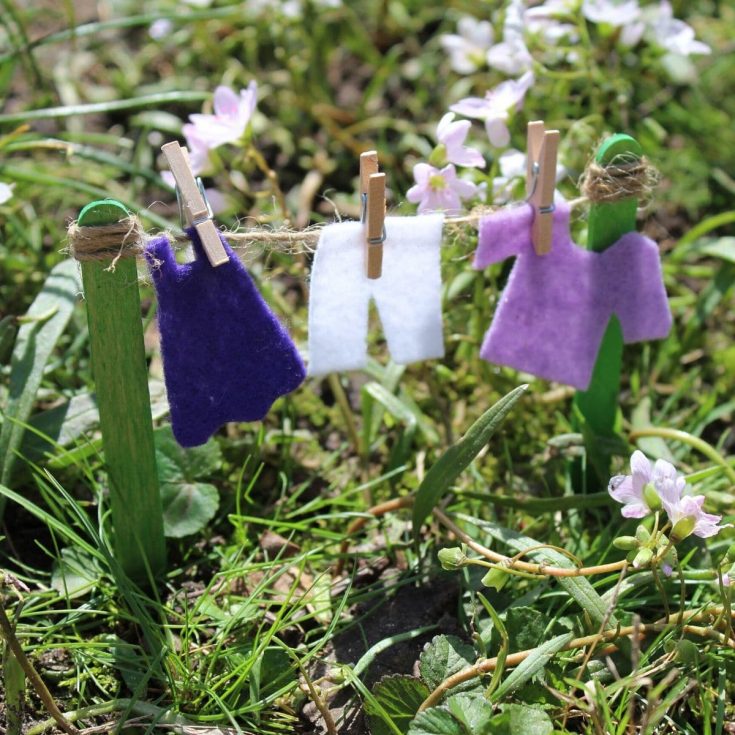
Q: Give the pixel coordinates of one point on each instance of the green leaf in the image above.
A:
(43, 324)
(577, 587)
(75, 573)
(443, 656)
(396, 699)
(437, 721)
(457, 458)
(518, 719)
(532, 665)
(187, 507)
(176, 464)
(462, 714)
(525, 626)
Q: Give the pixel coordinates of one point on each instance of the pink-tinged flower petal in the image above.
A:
(226, 102)
(497, 131)
(667, 569)
(511, 57)
(438, 189)
(452, 135)
(467, 48)
(726, 582)
(168, 177)
(198, 149)
(613, 12)
(620, 488)
(478, 33)
(635, 510)
(248, 101)
(471, 107)
(422, 172)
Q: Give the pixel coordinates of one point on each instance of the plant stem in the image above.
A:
(693, 441)
(536, 569)
(487, 665)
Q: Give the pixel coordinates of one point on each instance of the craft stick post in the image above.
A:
(608, 222)
(121, 382)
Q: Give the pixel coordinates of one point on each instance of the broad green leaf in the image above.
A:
(579, 588)
(525, 627)
(443, 656)
(397, 699)
(60, 426)
(723, 247)
(176, 464)
(187, 507)
(75, 574)
(518, 719)
(42, 326)
(457, 458)
(532, 665)
(436, 721)
(462, 714)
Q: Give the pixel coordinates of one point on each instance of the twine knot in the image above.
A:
(624, 178)
(123, 239)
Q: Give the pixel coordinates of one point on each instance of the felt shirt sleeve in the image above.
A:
(503, 234)
(635, 288)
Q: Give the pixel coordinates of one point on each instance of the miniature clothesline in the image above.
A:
(625, 179)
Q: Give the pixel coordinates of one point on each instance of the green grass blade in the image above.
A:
(42, 326)
(458, 457)
(531, 665)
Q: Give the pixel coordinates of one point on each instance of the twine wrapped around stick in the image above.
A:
(123, 239)
(626, 177)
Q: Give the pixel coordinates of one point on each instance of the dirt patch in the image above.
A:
(406, 608)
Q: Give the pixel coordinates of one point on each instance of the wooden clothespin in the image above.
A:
(195, 207)
(542, 147)
(372, 196)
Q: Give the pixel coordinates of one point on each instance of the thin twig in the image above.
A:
(32, 675)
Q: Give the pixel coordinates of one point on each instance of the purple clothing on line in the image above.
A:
(555, 308)
(226, 357)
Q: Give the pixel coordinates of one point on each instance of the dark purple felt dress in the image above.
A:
(226, 357)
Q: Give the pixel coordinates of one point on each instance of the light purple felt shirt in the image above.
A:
(555, 308)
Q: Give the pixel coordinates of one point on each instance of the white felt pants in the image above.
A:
(407, 295)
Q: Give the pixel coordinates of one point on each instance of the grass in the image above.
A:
(253, 629)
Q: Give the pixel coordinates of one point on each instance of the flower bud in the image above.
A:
(452, 559)
(682, 528)
(643, 557)
(642, 534)
(626, 543)
(438, 157)
(730, 556)
(651, 497)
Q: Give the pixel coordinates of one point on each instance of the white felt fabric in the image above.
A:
(407, 295)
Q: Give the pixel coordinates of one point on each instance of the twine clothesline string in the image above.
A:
(626, 177)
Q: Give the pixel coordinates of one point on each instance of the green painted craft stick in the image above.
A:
(608, 222)
(121, 381)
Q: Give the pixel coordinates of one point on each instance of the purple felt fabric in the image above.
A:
(226, 357)
(555, 308)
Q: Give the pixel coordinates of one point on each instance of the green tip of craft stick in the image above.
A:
(102, 212)
(616, 145)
